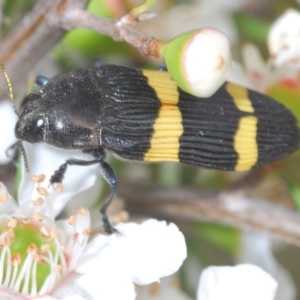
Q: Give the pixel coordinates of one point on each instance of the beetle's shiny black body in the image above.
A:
(143, 115)
(69, 109)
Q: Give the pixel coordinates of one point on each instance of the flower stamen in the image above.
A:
(39, 201)
(86, 231)
(75, 236)
(58, 187)
(53, 233)
(4, 198)
(42, 191)
(45, 231)
(37, 216)
(82, 211)
(26, 221)
(58, 268)
(72, 220)
(12, 223)
(38, 178)
(45, 248)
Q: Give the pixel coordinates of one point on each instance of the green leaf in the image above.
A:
(18, 176)
(295, 190)
(221, 236)
(142, 8)
(288, 96)
(251, 27)
(81, 46)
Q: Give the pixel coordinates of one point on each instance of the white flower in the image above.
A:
(41, 258)
(245, 282)
(284, 38)
(36, 255)
(283, 65)
(261, 74)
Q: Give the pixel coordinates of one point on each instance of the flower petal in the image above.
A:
(103, 262)
(245, 282)
(255, 66)
(154, 249)
(168, 288)
(239, 76)
(8, 120)
(141, 253)
(70, 290)
(257, 249)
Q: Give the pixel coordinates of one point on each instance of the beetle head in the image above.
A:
(32, 123)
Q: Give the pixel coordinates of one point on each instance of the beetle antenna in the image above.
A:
(21, 147)
(11, 96)
(9, 88)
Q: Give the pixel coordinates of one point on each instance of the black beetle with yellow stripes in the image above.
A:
(142, 115)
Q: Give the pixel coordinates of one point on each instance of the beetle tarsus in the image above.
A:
(59, 174)
(108, 228)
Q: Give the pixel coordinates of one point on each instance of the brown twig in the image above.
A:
(229, 208)
(119, 30)
(46, 24)
(33, 38)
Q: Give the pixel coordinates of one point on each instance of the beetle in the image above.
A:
(142, 115)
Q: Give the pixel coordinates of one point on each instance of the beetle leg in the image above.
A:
(107, 173)
(110, 176)
(59, 174)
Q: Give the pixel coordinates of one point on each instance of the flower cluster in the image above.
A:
(282, 68)
(41, 257)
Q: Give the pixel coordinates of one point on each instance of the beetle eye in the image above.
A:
(34, 131)
(37, 130)
(39, 122)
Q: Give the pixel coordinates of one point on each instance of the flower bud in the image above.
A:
(198, 61)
